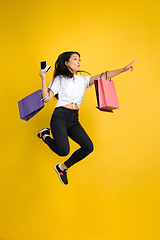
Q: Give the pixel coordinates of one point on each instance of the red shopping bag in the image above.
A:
(106, 95)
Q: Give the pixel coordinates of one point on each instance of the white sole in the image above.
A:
(44, 129)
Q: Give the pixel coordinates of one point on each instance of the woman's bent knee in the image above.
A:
(90, 147)
(63, 152)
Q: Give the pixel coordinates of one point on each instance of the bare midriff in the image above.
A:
(70, 106)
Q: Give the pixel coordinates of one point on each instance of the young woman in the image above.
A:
(69, 88)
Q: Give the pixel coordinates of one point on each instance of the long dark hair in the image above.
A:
(60, 66)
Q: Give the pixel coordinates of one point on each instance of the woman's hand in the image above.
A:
(42, 74)
(129, 67)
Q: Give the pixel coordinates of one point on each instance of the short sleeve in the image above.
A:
(87, 80)
(55, 85)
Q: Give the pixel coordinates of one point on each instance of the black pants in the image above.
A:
(64, 123)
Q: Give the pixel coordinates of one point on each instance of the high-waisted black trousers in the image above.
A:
(64, 123)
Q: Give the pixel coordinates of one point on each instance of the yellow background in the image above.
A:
(114, 194)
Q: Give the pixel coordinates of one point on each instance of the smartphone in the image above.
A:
(43, 64)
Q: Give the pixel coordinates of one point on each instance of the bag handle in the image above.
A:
(45, 98)
(106, 75)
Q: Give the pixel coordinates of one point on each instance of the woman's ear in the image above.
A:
(66, 63)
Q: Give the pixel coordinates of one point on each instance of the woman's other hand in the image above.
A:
(129, 67)
(42, 74)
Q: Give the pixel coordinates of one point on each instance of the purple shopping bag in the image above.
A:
(30, 105)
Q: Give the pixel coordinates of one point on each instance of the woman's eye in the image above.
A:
(76, 59)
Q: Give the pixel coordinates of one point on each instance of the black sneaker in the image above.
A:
(62, 174)
(44, 131)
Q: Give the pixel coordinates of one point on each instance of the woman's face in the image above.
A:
(74, 63)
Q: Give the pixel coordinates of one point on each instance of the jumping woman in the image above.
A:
(69, 87)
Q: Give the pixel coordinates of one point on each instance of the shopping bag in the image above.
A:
(30, 105)
(106, 95)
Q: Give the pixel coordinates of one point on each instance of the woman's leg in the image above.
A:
(78, 134)
(59, 143)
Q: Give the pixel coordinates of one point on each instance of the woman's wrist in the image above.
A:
(124, 69)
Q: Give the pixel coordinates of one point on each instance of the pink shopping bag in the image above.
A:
(106, 95)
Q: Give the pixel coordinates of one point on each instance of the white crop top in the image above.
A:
(69, 90)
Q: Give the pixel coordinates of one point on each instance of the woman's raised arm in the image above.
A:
(46, 94)
(111, 74)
